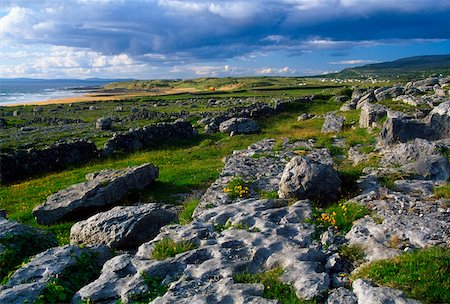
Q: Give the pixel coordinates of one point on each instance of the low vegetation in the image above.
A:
(352, 253)
(422, 274)
(237, 188)
(340, 216)
(155, 288)
(64, 287)
(442, 191)
(18, 248)
(188, 208)
(273, 287)
(168, 248)
(239, 226)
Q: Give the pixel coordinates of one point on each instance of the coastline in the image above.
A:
(99, 97)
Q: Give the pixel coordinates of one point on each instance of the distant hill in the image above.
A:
(405, 68)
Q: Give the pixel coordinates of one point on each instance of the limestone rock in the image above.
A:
(103, 123)
(434, 167)
(369, 294)
(370, 113)
(439, 120)
(239, 126)
(389, 92)
(332, 123)
(122, 227)
(341, 295)
(30, 281)
(305, 116)
(368, 98)
(405, 153)
(101, 190)
(305, 178)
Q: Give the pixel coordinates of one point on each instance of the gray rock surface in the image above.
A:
(341, 295)
(439, 120)
(405, 153)
(369, 294)
(306, 178)
(275, 234)
(122, 227)
(333, 123)
(101, 190)
(370, 114)
(239, 126)
(30, 281)
(103, 123)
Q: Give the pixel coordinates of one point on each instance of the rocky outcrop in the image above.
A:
(239, 126)
(30, 281)
(402, 129)
(122, 227)
(369, 294)
(101, 191)
(103, 123)
(18, 241)
(333, 123)
(148, 137)
(370, 114)
(25, 163)
(206, 273)
(306, 178)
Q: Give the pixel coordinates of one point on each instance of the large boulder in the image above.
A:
(439, 120)
(368, 98)
(333, 123)
(304, 178)
(239, 126)
(405, 153)
(434, 167)
(370, 113)
(389, 92)
(31, 280)
(122, 227)
(101, 191)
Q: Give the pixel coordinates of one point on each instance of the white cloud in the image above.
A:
(273, 71)
(354, 61)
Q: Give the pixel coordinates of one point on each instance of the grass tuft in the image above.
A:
(442, 191)
(273, 287)
(422, 274)
(185, 215)
(168, 248)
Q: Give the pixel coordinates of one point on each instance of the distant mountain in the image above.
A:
(405, 68)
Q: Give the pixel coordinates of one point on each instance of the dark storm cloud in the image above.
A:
(210, 30)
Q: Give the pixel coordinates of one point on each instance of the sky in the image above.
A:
(171, 39)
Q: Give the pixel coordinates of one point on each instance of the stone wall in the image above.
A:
(148, 137)
(21, 164)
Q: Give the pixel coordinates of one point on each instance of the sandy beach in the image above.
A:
(103, 97)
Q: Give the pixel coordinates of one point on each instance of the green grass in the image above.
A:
(442, 191)
(340, 216)
(353, 253)
(237, 188)
(273, 287)
(422, 274)
(263, 194)
(168, 248)
(155, 289)
(64, 287)
(19, 248)
(185, 215)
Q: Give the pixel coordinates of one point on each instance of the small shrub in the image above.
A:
(155, 289)
(442, 191)
(168, 248)
(388, 180)
(273, 287)
(422, 274)
(185, 215)
(339, 216)
(353, 253)
(273, 194)
(237, 188)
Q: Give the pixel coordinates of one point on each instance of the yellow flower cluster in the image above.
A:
(238, 190)
(343, 207)
(328, 218)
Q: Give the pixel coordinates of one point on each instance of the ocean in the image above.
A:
(21, 90)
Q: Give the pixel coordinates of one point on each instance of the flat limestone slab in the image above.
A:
(101, 190)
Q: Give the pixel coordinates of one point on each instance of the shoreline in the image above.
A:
(97, 97)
